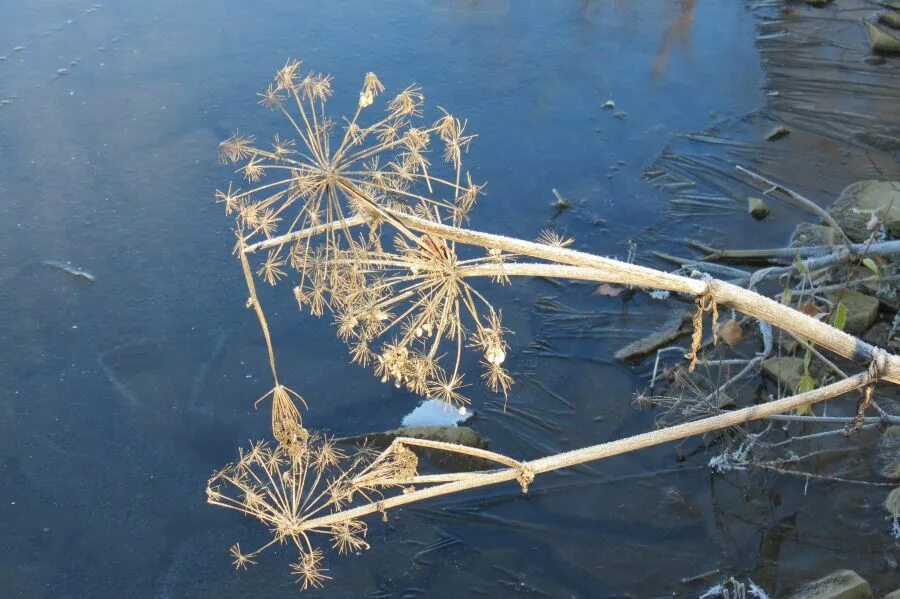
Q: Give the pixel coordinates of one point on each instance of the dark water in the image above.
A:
(120, 396)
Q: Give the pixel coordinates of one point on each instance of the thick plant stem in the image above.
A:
(598, 268)
(605, 450)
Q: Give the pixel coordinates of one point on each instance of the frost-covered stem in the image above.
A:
(573, 264)
(846, 420)
(882, 248)
(601, 451)
(351, 221)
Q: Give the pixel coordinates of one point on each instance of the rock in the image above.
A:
(777, 133)
(882, 40)
(609, 105)
(787, 343)
(887, 458)
(862, 310)
(435, 412)
(876, 60)
(561, 204)
(878, 334)
(458, 435)
(819, 3)
(894, 595)
(842, 584)
(786, 370)
(889, 18)
(859, 201)
(758, 208)
(810, 234)
(892, 505)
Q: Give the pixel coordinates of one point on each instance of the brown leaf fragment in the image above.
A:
(731, 332)
(608, 290)
(810, 309)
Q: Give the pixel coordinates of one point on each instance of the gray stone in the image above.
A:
(758, 208)
(810, 234)
(894, 595)
(892, 505)
(460, 435)
(881, 40)
(878, 334)
(842, 584)
(436, 412)
(887, 458)
(859, 201)
(448, 460)
(787, 343)
(862, 310)
(777, 133)
(889, 18)
(787, 371)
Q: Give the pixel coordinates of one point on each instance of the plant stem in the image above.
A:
(603, 450)
(573, 264)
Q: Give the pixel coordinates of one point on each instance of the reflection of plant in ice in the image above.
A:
(327, 179)
(286, 486)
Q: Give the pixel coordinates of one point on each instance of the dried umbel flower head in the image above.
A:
(309, 477)
(313, 190)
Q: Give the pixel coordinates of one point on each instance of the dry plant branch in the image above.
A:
(796, 199)
(311, 488)
(376, 234)
(415, 299)
(572, 264)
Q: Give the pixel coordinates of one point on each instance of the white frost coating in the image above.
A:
(735, 589)
(756, 591)
(766, 329)
(729, 461)
(716, 591)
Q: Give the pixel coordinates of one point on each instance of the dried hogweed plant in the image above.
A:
(397, 302)
(324, 201)
(308, 488)
(374, 233)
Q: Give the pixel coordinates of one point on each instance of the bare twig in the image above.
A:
(602, 451)
(796, 199)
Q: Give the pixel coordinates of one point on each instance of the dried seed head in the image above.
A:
(236, 148)
(309, 570)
